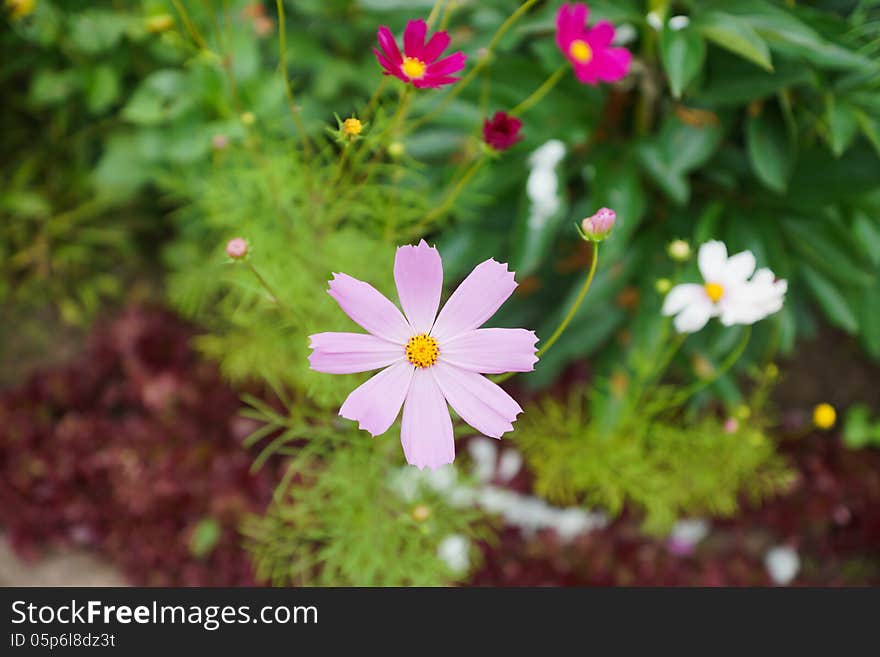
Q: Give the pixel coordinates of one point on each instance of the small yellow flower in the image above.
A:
(824, 416)
(679, 250)
(248, 118)
(352, 127)
(421, 513)
(20, 8)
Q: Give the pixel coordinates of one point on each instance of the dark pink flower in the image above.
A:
(418, 64)
(502, 131)
(589, 50)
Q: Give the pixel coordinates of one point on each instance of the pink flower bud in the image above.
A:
(599, 226)
(219, 142)
(237, 248)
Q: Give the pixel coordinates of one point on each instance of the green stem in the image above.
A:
(540, 92)
(467, 79)
(288, 89)
(274, 297)
(569, 316)
(444, 207)
(729, 362)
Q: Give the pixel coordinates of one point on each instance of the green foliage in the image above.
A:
(859, 430)
(338, 519)
(652, 461)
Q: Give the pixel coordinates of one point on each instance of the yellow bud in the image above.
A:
(662, 285)
(421, 513)
(352, 127)
(824, 416)
(772, 371)
(20, 8)
(679, 250)
(396, 149)
(248, 118)
(159, 23)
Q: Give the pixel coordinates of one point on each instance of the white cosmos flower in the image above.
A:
(726, 292)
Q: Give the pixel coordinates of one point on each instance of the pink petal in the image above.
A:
(570, 24)
(369, 308)
(418, 272)
(435, 46)
(389, 68)
(612, 64)
(492, 351)
(586, 73)
(375, 404)
(432, 82)
(478, 401)
(475, 301)
(346, 353)
(389, 45)
(452, 64)
(601, 35)
(414, 38)
(426, 432)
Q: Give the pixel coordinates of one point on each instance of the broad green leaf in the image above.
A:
(870, 319)
(770, 150)
(102, 88)
(97, 30)
(735, 35)
(683, 52)
(836, 307)
(50, 87)
(870, 127)
(162, 96)
(867, 235)
(669, 179)
(843, 125)
(818, 245)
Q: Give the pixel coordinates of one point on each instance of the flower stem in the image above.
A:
(467, 79)
(450, 198)
(569, 316)
(288, 89)
(729, 362)
(274, 297)
(540, 92)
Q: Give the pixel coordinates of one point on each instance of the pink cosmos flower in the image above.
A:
(418, 64)
(589, 50)
(429, 359)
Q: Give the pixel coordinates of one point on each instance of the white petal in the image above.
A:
(682, 296)
(712, 260)
(694, 317)
(739, 267)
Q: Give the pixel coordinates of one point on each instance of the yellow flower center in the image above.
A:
(580, 51)
(714, 291)
(352, 127)
(413, 68)
(824, 416)
(422, 350)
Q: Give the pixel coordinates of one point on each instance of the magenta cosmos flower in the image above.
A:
(418, 64)
(502, 131)
(429, 359)
(589, 50)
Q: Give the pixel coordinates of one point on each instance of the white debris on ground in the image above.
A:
(528, 513)
(782, 564)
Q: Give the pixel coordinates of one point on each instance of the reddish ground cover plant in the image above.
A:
(133, 450)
